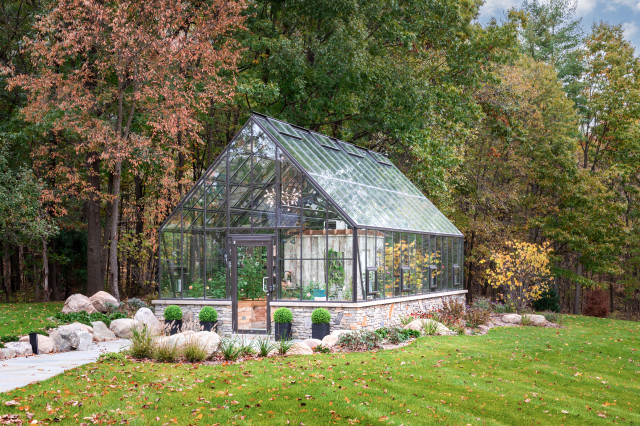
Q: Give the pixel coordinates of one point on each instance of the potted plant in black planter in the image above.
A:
(320, 326)
(283, 318)
(208, 318)
(173, 318)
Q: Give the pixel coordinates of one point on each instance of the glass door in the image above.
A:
(251, 282)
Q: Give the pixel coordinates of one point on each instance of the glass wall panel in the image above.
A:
(193, 274)
(314, 282)
(171, 264)
(437, 264)
(215, 271)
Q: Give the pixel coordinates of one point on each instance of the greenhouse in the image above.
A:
(290, 217)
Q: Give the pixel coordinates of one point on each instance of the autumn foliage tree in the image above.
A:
(521, 271)
(121, 84)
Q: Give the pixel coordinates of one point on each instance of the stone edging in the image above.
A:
(315, 304)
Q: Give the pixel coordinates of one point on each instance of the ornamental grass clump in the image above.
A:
(194, 351)
(141, 343)
(229, 349)
(320, 316)
(166, 351)
(430, 327)
(284, 345)
(265, 346)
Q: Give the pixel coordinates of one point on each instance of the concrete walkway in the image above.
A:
(21, 371)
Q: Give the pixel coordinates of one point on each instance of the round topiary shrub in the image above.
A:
(173, 313)
(283, 316)
(208, 314)
(320, 316)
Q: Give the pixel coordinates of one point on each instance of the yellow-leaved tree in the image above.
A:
(521, 271)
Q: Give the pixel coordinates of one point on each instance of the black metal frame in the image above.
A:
(228, 230)
(250, 240)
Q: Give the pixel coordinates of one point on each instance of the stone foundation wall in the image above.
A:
(344, 316)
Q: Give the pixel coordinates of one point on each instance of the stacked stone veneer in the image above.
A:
(344, 316)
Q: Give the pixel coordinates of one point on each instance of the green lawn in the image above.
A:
(586, 373)
(21, 318)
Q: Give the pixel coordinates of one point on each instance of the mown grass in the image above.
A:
(586, 373)
(21, 318)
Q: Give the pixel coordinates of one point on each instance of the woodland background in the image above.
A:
(525, 129)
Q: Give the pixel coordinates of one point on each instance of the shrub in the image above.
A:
(9, 338)
(382, 332)
(553, 317)
(549, 301)
(452, 312)
(597, 304)
(360, 340)
(166, 351)
(246, 348)
(85, 318)
(265, 345)
(173, 313)
(409, 333)
(395, 335)
(194, 351)
(322, 349)
(229, 350)
(476, 316)
(320, 316)
(283, 316)
(112, 307)
(503, 308)
(141, 343)
(482, 303)
(134, 304)
(208, 314)
(284, 346)
(116, 357)
(521, 272)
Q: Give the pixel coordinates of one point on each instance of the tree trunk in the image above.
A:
(113, 244)
(95, 277)
(611, 293)
(21, 275)
(36, 284)
(107, 229)
(45, 270)
(576, 302)
(6, 270)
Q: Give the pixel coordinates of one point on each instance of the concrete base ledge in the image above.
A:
(316, 304)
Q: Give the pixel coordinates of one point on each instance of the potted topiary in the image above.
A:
(320, 326)
(283, 318)
(173, 318)
(208, 318)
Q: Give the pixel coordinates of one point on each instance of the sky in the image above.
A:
(625, 12)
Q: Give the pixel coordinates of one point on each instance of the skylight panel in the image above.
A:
(284, 128)
(325, 141)
(351, 149)
(380, 158)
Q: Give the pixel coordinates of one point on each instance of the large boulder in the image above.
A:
(208, 340)
(512, 319)
(420, 324)
(77, 303)
(20, 348)
(146, 317)
(312, 343)
(101, 332)
(45, 343)
(7, 353)
(72, 336)
(123, 327)
(300, 348)
(100, 300)
(330, 340)
(538, 320)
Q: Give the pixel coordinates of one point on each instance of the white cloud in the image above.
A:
(629, 28)
(633, 4)
(496, 8)
(585, 6)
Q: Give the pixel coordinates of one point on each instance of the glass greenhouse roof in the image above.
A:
(363, 184)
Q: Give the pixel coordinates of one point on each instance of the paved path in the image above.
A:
(19, 372)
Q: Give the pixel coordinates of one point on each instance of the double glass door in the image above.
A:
(251, 282)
